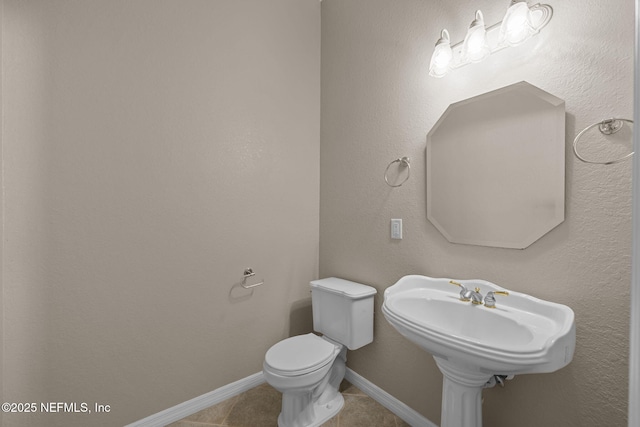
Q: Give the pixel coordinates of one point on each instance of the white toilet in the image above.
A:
(308, 369)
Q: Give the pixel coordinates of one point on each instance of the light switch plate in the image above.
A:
(396, 229)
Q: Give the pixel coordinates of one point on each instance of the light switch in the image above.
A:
(396, 229)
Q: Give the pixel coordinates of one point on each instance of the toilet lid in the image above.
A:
(300, 355)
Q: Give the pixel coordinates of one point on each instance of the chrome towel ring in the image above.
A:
(606, 127)
(404, 162)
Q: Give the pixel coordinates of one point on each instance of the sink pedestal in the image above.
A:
(461, 394)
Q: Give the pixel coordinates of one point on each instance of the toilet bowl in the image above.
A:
(308, 369)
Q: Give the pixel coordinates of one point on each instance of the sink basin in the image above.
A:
(472, 343)
(521, 335)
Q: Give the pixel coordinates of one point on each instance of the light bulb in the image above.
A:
(442, 56)
(516, 26)
(475, 47)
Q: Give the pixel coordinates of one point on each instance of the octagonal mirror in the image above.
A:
(495, 168)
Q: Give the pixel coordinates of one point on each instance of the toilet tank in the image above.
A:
(343, 311)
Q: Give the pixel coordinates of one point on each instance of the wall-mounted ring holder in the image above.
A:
(606, 127)
(403, 163)
(248, 272)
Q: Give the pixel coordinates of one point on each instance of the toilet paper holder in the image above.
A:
(248, 272)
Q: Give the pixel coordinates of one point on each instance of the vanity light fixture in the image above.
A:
(517, 25)
(520, 23)
(442, 56)
(475, 47)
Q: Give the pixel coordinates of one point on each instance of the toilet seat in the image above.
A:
(300, 355)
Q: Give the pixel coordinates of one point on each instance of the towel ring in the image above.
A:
(404, 161)
(606, 127)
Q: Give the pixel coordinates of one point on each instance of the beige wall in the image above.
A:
(152, 151)
(378, 104)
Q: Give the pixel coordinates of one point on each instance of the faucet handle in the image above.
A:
(490, 299)
(465, 294)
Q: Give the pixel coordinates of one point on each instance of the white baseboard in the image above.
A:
(223, 393)
(409, 416)
(199, 403)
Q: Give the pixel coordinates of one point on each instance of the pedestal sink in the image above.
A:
(471, 343)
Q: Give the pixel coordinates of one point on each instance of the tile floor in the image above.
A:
(260, 406)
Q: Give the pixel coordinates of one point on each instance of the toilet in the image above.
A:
(308, 369)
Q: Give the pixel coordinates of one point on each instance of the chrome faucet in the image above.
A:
(490, 299)
(465, 294)
(476, 297)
